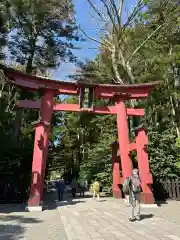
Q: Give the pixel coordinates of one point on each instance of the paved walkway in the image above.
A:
(17, 224)
(86, 219)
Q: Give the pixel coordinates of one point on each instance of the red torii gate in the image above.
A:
(120, 93)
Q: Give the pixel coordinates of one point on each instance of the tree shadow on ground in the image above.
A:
(14, 226)
(160, 203)
(88, 195)
(10, 208)
(146, 216)
(69, 202)
(51, 202)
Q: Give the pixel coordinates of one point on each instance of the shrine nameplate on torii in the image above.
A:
(87, 93)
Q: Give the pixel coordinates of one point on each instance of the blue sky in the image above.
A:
(89, 49)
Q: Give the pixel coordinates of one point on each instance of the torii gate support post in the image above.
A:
(143, 164)
(116, 171)
(43, 126)
(123, 137)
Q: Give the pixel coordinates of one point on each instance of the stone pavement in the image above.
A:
(15, 223)
(83, 218)
(86, 219)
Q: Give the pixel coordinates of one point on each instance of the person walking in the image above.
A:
(96, 190)
(60, 186)
(132, 187)
(74, 187)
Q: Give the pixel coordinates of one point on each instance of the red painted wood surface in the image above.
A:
(116, 171)
(143, 165)
(35, 83)
(132, 146)
(40, 150)
(123, 137)
(75, 108)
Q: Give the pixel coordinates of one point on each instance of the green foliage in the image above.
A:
(41, 33)
(163, 153)
(157, 59)
(3, 27)
(97, 164)
(178, 153)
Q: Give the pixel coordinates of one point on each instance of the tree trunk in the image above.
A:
(115, 66)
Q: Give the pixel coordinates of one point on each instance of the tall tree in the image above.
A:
(3, 28)
(113, 34)
(41, 33)
(40, 38)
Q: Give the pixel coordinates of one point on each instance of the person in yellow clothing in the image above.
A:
(96, 190)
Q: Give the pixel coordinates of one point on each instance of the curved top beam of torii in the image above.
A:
(34, 83)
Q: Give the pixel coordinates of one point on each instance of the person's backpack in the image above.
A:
(136, 185)
(96, 186)
(125, 187)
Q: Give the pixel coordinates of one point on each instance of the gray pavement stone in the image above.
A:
(85, 219)
(173, 237)
(110, 218)
(98, 239)
(17, 224)
(108, 236)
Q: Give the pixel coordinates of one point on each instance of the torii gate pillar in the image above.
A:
(116, 171)
(123, 136)
(43, 126)
(125, 147)
(140, 145)
(141, 142)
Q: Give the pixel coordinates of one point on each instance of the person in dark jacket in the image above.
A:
(60, 186)
(73, 187)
